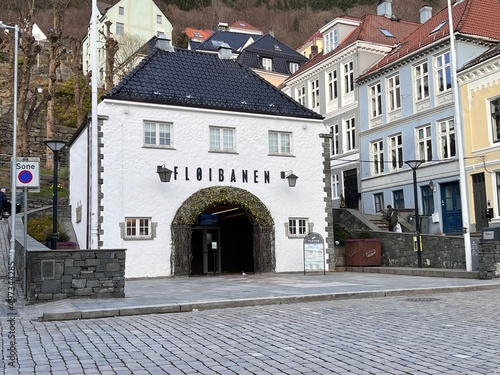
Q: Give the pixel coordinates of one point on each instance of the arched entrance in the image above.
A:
(216, 200)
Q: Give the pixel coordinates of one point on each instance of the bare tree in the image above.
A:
(80, 96)
(55, 42)
(111, 46)
(124, 59)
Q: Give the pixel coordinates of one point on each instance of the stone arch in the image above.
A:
(187, 214)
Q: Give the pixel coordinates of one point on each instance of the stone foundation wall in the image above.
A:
(438, 251)
(58, 274)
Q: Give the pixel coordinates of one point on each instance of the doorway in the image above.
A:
(222, 242)
(479, 193)
(451, 208)
(351, 189)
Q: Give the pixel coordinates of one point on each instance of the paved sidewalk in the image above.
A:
(162, 295)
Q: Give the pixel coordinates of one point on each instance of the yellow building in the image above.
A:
(479, 83)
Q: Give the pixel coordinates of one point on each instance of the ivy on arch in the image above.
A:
(192, 207)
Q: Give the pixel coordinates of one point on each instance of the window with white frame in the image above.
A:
(301, 95)
(121, 11)
(335, 186)
(332, 85)
(137, 228)
(495, 119)
(315, 94)
(375, 100)
(443, 72)
(267, 63)
(222, 139)
(350, 134)
(393, 93)
(446, 130)
(377, 157)
(157, 133)
(396, 151)
(421, 80)
(331, 40)
(280, 143)
(348, 77)
(379, 202)
(297, 227)
(424, 143)
(335, 139)
(158, 19)
(293, 67)
(120, 28)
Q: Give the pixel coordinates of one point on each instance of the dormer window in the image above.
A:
(293, 67)
(331, 40)
(267, 63)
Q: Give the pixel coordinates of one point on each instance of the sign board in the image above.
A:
(28, 173)
(314, 252)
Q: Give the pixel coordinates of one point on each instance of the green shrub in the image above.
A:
(40, 228)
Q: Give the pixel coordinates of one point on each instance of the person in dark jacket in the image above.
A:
(392, 217)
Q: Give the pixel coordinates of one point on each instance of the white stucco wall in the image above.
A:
(132, 188)
(78, 195)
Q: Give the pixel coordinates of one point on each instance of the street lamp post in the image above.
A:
(13, 200)
(414, 165)
(55, 146)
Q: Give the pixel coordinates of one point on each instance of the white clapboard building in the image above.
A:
(227, 146)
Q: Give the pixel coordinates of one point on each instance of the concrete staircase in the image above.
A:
(379, 221)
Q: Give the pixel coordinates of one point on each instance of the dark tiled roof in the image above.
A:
(234, 40)
(267, 46)
(492, 52)
(203, 80)
(471, 18)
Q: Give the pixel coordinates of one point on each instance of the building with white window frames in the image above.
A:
(411, 112)
(228, 158)
(327, 85)
(141, 19)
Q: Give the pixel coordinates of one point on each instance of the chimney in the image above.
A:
(225, 52)
(425, 13)
(163, 43)
(223, 26)
(314, 51)
(384, 8)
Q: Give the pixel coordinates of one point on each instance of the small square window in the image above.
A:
(121, 11)
(137, 228)
(280, 143)
(267, 63)
(222, 139)
(297, 227)
(158, 18)
(120, 28)
(157, 133)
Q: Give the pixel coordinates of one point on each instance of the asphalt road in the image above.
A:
(451, 333)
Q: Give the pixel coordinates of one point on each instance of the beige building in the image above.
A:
(480, 97)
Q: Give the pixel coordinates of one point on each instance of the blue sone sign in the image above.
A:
(28, 173)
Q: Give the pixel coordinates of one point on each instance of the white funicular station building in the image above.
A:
(227, 145)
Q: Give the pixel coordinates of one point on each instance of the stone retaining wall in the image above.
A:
(58, 274)
(438, 251)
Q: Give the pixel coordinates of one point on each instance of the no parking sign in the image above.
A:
(28, 172)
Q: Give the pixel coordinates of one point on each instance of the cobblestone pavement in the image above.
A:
(452, 333)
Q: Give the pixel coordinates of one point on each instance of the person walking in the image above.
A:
(392, 217)
(3, 201)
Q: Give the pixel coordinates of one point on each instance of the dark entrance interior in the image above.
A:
(222, 242)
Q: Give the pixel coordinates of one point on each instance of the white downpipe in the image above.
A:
(93, 169)
(460, 145)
